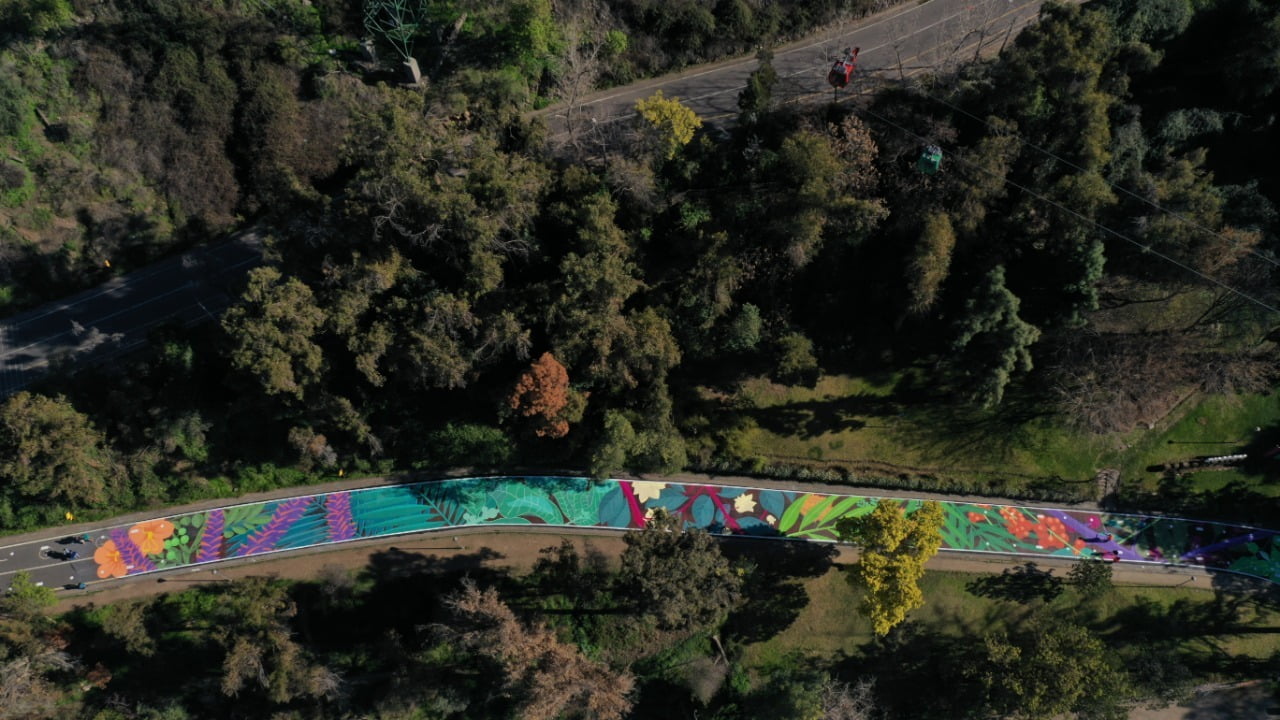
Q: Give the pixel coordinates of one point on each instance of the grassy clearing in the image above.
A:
(858, 422)
(1212, 426)
(828, 627)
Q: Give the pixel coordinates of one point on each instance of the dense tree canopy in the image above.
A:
(678, 577)
(50, 453)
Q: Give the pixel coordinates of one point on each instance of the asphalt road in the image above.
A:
(42, 553)
(114, 318)
(899, 43)
(42, 559)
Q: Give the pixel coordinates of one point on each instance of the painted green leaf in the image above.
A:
(515, 501)
(582, 505)
(244, 519)
(819, 521)
(792, 513)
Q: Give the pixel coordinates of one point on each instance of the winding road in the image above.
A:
(896, 44)
(248, 531)
(115, 318)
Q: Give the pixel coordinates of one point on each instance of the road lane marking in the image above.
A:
(809, 95)
(810, 68)
(743, 61)
(131, 308)
(125, 282)
(1016, 9)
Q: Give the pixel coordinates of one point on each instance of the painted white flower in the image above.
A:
(646, 491)
(744, 503)
(770, 519)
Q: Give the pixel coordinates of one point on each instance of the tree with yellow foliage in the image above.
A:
(895, 547)
(668, 122)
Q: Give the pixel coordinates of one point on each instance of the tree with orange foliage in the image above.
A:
(543, 393)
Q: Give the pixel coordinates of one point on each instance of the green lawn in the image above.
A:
(859, 423)
(1213, 426)
(829, 626)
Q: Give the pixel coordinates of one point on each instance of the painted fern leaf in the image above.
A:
(337, 514)
(391, 510)
(211, 537)
(266, 537)
(310, 529)
(439, 497)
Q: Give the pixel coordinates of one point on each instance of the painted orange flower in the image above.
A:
(976, 517)
(110, 564)
(809, 503)
(149, 536)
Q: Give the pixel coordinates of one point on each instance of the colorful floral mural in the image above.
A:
(255, 529)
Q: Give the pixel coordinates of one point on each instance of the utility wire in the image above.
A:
(1096, 224)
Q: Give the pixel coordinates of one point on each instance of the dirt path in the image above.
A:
(516, 551)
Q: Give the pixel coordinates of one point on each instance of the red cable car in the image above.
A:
(843, 69)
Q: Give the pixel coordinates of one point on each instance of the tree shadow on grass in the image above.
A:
(810, 418)
(944, 427)
(1021, 584)
(1246, 589)
(1148, 620)
(1248, 702)
(774, 595)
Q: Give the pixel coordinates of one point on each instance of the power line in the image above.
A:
(1096, 224)
(1182, 218)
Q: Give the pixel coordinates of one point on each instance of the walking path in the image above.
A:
(250, 530)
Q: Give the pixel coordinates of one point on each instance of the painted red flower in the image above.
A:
(1051, 533)
(1017, 523)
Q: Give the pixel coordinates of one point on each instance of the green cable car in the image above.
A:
(930, 160)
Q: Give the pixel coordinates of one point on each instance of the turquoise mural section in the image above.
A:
(279, 525)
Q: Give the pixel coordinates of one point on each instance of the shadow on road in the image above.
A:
(400, 564)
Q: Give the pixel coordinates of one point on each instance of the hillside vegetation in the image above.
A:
(447, 286)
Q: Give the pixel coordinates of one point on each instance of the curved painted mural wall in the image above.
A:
(292, 523)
